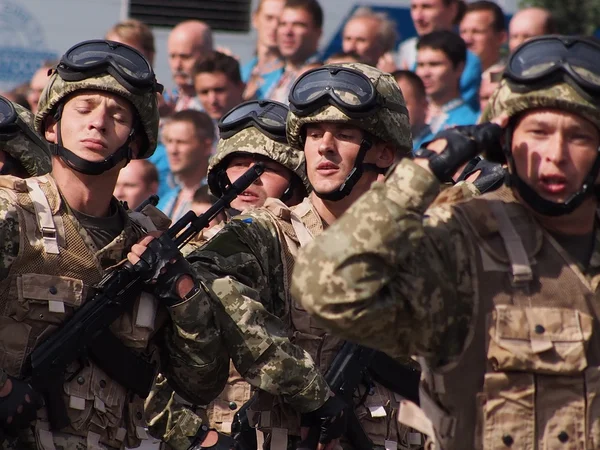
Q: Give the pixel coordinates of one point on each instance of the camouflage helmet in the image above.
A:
(389, 126)
(252, 141)
(561, 95)
(27, 147)
(146, 105)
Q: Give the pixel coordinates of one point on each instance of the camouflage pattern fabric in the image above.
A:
(146, 105)
(561, 96)
(412, 280)
(252, 141)
(243, 270)
(387, 125)
(34, 155)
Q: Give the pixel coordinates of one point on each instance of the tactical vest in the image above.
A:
(296, 227)
(529, 374)
(54, 273)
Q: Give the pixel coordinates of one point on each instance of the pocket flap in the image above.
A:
(52, 288)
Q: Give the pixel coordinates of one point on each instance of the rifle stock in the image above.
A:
(86, 333)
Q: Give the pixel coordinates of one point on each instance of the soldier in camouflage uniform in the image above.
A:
(25, 154)
(498, 294)
(58, 235)
(247, 266)
(171, 419)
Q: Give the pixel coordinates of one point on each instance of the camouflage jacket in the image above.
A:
(241, 267)
(390, 263)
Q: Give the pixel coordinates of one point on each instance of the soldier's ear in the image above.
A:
(385, 155)
(51, 129)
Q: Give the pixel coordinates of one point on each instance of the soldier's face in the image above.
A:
(94, 124)
(554, 151)
(331, 150)
(272, 183)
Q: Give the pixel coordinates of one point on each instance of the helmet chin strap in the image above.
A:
(354, 175)
(540, 204)
(124, 152)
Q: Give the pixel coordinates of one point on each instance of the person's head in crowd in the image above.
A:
(413, 90)
(38, 82)
(483, 30)
(189, 42)
(266, 20)
(218, 84)
(369, 34)
(343, 57)
(136, 34)
(188, 136)
(202, 201)
(137, 181)
(489, 82)
(441, 57)
(528, 23)
(433, 15)
(299, 30)
(18, 95)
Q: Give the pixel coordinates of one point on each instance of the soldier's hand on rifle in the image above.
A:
(160, 264)
(18, 404)
(331, 421)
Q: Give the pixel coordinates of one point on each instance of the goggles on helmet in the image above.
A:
(267, 116)
(94, 57)
(11, 124)
(347, 89)
(542, 60)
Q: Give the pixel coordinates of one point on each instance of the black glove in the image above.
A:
(161, 265)
(21, 404)
(491, 175)
(463, 144)
(330, 418)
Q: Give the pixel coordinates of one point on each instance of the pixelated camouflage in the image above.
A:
(560, 95)
(146, 105)
(251, 140)
(389, 126)
(34, 155)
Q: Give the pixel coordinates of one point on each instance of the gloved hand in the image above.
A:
(462, 144)
(330, 418)
(161, 265)
(491, 175)
(18, 408)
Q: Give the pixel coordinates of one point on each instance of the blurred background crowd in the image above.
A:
(446, 72)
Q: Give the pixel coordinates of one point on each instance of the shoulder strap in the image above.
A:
(43, 215)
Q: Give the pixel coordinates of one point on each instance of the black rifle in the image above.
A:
(242, 432)
(347, 371)
(87, 335)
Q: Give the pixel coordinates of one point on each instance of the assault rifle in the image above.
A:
(87, 335)
(347, 371)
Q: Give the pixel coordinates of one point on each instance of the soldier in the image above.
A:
(273, 343)
(251, 132)
(58, 235)
(23, 153)
(497, 294)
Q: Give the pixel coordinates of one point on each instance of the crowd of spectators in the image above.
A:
(446, 73)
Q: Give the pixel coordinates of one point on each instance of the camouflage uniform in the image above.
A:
(172, 419)
(272, 342)
(500, 314)
(45, 276)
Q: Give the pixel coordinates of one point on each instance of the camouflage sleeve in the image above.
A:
(9, 234)
(194, 358)
(242, 267)
(389, 275)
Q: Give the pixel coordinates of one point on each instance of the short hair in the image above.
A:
(203, 195)
(219, 62)
(387, 27)
(343, 55)
(202, 122)
(414, 80)
(448, 42)
(551, 26)
(310, 6)
(499, 21)
(133, 29)
(149, 171)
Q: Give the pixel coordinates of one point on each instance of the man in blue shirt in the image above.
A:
(441, 57)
